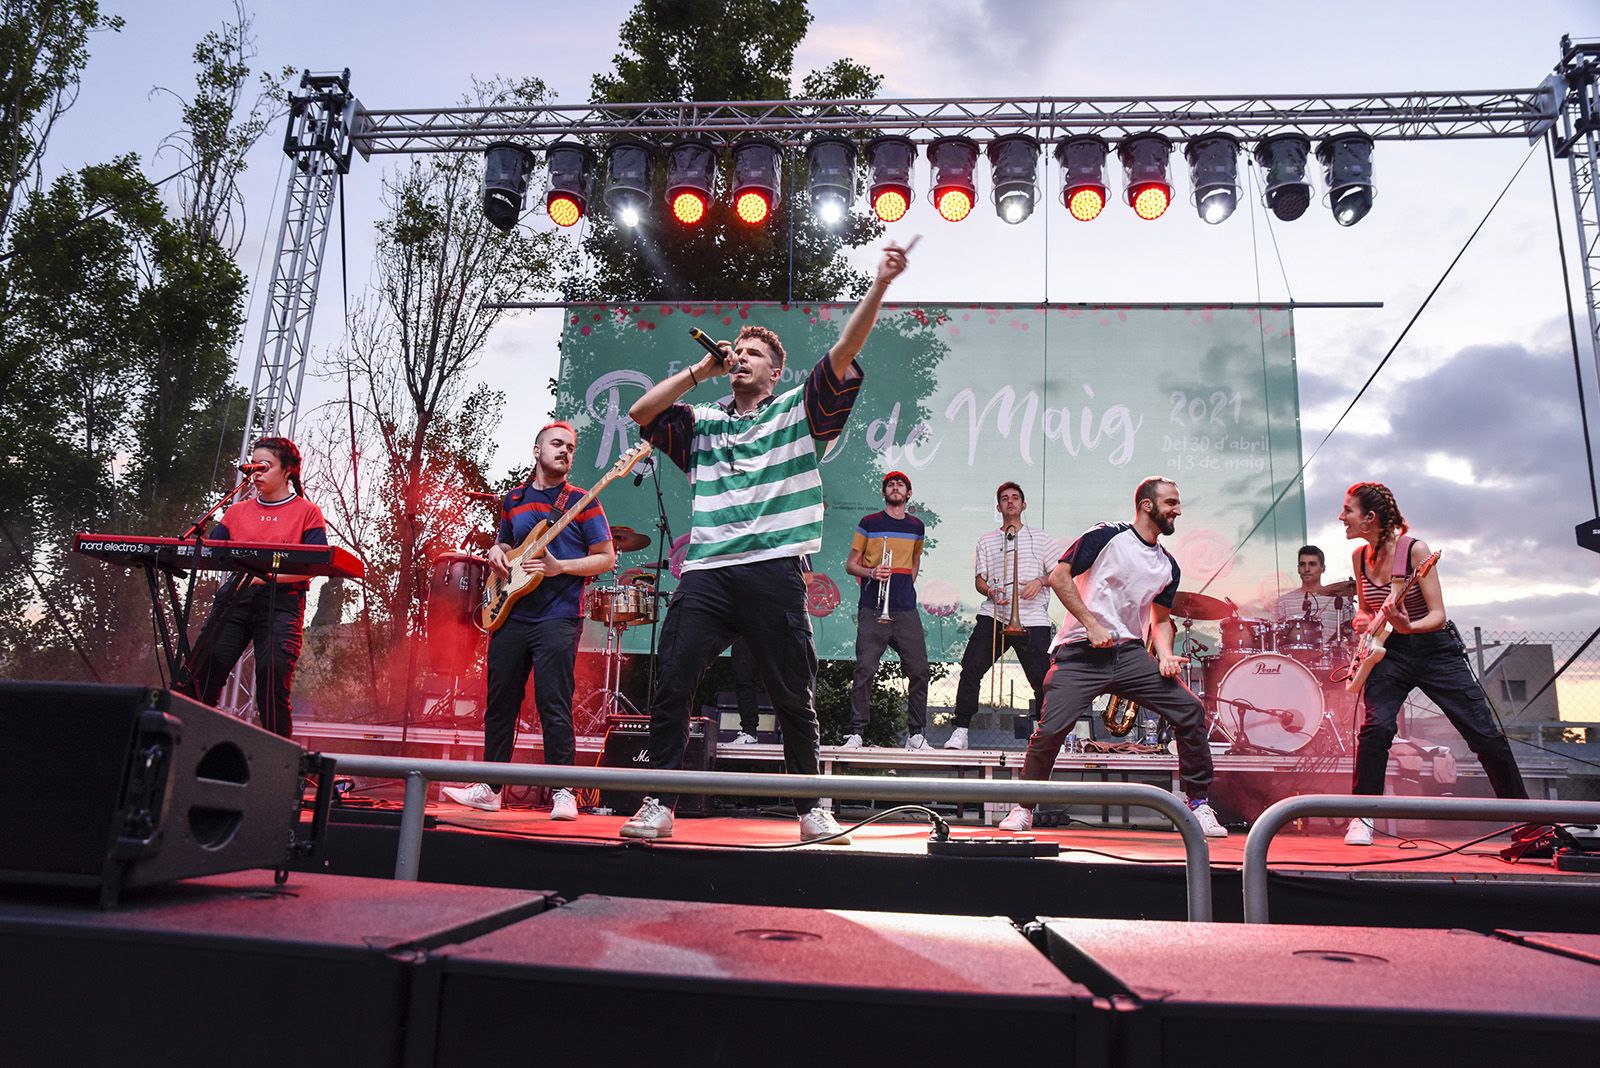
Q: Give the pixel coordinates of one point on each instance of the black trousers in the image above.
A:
(548, 648)
(271, 619)
(987, 644)
(903, 633)
(1081, 673)
(1436, 664)
(764, 603)
(746, 687)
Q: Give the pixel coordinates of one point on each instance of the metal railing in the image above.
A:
(418, 773)
(1346, 806)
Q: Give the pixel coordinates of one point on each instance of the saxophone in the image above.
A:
(1121, 713)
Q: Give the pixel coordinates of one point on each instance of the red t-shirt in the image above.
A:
(295, 521)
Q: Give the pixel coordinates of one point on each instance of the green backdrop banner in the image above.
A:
(1076, 404)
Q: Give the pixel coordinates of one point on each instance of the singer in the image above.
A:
(268, 613)
(754, 463)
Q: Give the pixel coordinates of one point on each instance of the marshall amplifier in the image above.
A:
(628, 746)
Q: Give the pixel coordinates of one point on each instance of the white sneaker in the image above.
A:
(563, 806)
(958, 739)
(653, 820)
(744, 739)
(916, 741)
(852, 742)
(819, 823)
(1018, 819)
(1359, 833)
(1208, 821)
(478, 795)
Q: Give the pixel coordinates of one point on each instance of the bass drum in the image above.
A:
(1270, 700)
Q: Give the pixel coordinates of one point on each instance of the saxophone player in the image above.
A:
(1114, 580)
(1012, 557)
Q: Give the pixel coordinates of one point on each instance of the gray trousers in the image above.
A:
(1080, 673)
(904, 635)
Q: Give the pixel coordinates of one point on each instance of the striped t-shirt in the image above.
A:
(757, 483)
(903, 538)
(1032, 554)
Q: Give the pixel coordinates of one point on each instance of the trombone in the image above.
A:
(883, 587)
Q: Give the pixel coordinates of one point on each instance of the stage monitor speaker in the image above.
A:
(123, 786)
(1303, 995)
(628, 746)
(230, 969)
(611, 980)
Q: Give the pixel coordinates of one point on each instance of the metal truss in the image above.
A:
(1413, 116)
(1579, 142)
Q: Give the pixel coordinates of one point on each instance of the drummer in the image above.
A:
(543, 628)
(1315, 601)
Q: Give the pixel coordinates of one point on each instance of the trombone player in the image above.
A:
(1011, 565)
(886, 554)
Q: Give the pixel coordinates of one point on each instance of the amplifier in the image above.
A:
(628, 746)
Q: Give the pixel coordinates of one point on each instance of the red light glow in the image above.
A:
(1086, 203)
(688, 207)
(752, 207)
(954, 204)
(890, 205)
(1151, 199)
(564, 211)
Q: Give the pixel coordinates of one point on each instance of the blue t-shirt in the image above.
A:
(903, 538)
(558, 596)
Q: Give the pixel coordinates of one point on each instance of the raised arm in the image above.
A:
(665, 393)
(861, 320)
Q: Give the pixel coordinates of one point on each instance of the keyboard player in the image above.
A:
(267, 612)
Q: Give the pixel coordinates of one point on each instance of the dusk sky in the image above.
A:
(1475, 421)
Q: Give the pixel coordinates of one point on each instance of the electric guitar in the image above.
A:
(1370, 649)
(501, 594)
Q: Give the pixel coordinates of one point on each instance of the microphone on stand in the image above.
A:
(254, 468)
(642, 468)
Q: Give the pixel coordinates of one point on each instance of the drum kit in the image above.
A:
(1274, 686)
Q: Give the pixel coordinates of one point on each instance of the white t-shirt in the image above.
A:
(1036, 553)
(1119, 575)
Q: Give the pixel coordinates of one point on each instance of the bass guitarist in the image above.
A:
(542, 632)
(1425, 651)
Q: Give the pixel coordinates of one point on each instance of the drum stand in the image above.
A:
(608, 700)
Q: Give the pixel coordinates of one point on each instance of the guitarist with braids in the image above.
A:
(542, 632)
(1424, 651)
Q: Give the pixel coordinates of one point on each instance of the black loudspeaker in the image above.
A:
(1238, 994)
(121, 786)
(610, 980)
(628, 746)
(230, 969)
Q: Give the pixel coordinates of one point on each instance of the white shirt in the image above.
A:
(1035, 554)
(1119, 575)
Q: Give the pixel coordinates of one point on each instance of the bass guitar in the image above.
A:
(500, 594)
(1370, 649)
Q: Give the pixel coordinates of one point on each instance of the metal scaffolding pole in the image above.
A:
(1579, 143)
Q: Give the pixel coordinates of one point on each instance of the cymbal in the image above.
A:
(1347, 588)
(1199, 606)
(628, 540)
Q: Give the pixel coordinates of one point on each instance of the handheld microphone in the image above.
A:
(252, 468)
(710, 346)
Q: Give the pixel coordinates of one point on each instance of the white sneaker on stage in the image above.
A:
(1018, 819)
(744, 739)
(819, 823)
(478, 795)
(852, 742)
(916, 741)
(958, 739)
(1359, 833)
(1208, 821)
(653, 820)
(563, 806)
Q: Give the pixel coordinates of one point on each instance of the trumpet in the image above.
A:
(883, 587)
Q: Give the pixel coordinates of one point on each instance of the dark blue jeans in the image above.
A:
(765, 604)
(548, 648)
(269, 618)
(1436, 664)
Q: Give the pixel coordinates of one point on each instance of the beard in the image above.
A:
(1165, 523)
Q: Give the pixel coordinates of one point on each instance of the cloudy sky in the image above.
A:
(1474, 422)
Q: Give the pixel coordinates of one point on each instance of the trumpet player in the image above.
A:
(886, 554)
(1011, 564)
(1116, 580)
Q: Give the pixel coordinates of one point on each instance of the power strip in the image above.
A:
(993, 846)
(1576, 860)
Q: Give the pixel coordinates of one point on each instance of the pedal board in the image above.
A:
(994, 846)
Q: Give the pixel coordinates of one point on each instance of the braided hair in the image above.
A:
(288, 458)
(1377, 498)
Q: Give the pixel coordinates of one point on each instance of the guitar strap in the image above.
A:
(1402, 556)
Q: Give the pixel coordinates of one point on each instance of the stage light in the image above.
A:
(756, 187)
(628, 166)
(505, 182)
(1214, 174)
(953, 161)
(1347, 172)
(1013, 168)
(571, 168)
(691, 173)
(831, 177)
(1282, 159)
(1083, 177)
(889, 160)
(1144, 172)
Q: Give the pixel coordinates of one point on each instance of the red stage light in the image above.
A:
(1087, 203)
(752, 207)
(954, 204)
(890, 205)
(688, 207)
(564, 211)
(1151, 199)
